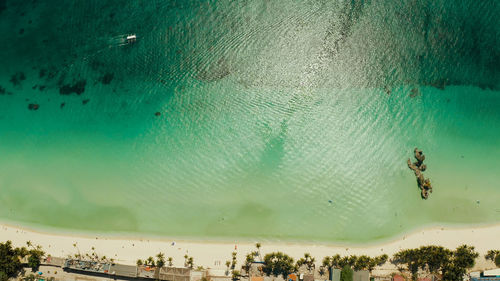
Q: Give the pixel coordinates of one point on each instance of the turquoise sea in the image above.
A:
(281, 120)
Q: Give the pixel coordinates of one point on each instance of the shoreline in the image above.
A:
(213, 254)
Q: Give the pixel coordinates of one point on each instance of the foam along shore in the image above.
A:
(214, 254)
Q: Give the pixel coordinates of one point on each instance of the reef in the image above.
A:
(42, 73)
(33, 106)
(107, 78)
(3, 5)
(418, 167)
(77, 88)
(414, 93)
(17, 78)
(84, 102)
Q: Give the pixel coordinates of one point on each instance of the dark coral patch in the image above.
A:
(33, 106)
(17, 78)
(107, 78)
(414, 93)
(3, 5)
(84, 102)
(77, 88)
(4, 91)
(62, 104)
(157, 114)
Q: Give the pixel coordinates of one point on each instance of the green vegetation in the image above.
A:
(258, 246)
(35, 256)
(278, 264)
(249, 259)
(346, 273)
(463, 258)
(160, 260)
(451, 264)
(357, 263)
(233, 261)
(436, 259)
(188, 261)
(494, 256)
(151, 262)
(10, 259)
(93, 256)
(307, 261)
(10, 265)
(236, 275)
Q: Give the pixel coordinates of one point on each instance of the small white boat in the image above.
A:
(131, 38)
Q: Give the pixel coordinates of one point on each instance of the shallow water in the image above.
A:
(289, 121)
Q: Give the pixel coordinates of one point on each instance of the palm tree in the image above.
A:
(308, 261)
(236, 275)
(170, 261)
(233, 264)
(250, 258)
(190, 262)
(362, 262)
(28, 243)
(139, 262)
(150, 261)
(331, 262)
(258, 245)
(74, 245)
(160, 260)
(491, 254)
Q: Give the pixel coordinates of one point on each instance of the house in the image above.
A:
(492, 273)
(335, 274)
(361, 275)
(487, 275)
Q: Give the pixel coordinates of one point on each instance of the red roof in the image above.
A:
(398, 278)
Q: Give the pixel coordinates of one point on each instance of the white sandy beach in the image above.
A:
(214, 254)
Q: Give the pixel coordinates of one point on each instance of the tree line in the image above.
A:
(11, 259)
(451, 264)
